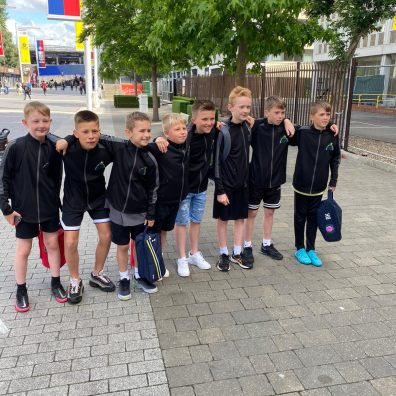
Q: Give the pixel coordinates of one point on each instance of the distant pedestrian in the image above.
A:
(44, 87)
(27, 91)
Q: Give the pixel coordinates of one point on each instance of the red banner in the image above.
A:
(40, 53)
(1, 45)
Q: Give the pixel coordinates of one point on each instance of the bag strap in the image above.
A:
(330, 195)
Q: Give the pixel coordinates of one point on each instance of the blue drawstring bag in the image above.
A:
(151, 265)
(329, 218)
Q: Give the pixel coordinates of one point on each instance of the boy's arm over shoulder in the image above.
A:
(6, 173)
(153, 149)
(294, 140)
(335, 163)
(111, 143)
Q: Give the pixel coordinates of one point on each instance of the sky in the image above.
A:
(33, 13)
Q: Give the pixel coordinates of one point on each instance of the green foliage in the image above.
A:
(350, 20)
(239, 31)
(10, 50)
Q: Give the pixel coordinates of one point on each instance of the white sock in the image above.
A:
(247, 244)
(137, 276)
(266, 242)
(237, 249)
(124, 275)
(224, 250)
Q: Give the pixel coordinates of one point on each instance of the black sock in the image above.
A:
(21, 288)
(55, 281)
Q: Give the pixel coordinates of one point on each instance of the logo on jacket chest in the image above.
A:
(330, 147)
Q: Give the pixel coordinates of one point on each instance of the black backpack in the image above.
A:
(329, 218)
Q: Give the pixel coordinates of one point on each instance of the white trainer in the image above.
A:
(166, 275)
(198, 260)
(182, 267)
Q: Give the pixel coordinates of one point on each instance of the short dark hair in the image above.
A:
(131, 118)
(85, 116)
(274, 101)
(202, 105)
(319, 104)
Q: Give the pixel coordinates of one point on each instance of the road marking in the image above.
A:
(367, 123)
(376, 127)
(3, 328)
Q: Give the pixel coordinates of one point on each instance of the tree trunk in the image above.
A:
(135, 83)
(154, 93)
(352, 48)
(241, 64)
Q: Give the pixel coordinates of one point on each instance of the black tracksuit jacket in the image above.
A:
(85, 185)
(173, 171)
(134, 179)
(269, 158)
(318, 152)
(201, 149)
(31, 176)
(233, 173)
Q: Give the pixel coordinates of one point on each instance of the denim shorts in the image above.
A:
(192, 208)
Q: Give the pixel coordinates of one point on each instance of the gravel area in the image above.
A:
(373, 149)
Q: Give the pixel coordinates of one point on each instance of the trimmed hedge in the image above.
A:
(124, 101)
(190, 100)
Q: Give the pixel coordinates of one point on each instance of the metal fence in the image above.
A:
(297, 83)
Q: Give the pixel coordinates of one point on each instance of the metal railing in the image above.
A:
(377, 100)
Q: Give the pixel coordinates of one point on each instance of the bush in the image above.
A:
(123, 101)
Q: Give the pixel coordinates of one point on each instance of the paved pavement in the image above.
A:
(278, 329)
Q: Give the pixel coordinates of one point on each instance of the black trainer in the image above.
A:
(124, 289)
(145, 285)
(102, 282)
(223, 263)
(248, 254)
(271, 252)
(75, 291)
(22, 300)
(59, 293)
(241, 261)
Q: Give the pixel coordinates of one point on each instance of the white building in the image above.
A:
(375, 54)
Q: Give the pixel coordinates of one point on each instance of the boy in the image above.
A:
(267, 173)
(173, 173)
(192, 208)
(231, 180)
(318, 151)
(85, 191)
(131, 194)
(30, 176)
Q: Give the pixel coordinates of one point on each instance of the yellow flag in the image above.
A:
(79, 29)
(24, 52)
(394, 23)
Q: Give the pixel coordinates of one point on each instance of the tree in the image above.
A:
(240, 32)
(10, 58)
(349, 21)
(122, 28)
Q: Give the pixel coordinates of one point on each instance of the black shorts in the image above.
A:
(270, 197)
(121, 235)
(165, 217)
(71, 220)
(237, 209)
(30, 230)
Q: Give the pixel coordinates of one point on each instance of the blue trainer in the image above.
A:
(315, 260)
(302, 256)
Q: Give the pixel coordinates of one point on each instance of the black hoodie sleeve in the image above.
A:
(6, 166)
(335, 163)
(153, 184)
(218, 178)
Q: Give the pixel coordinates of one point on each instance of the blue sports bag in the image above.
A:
(151, 265)
(329, 217)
